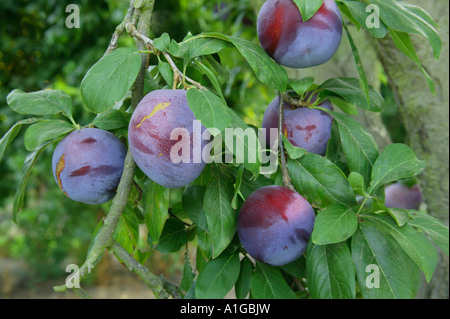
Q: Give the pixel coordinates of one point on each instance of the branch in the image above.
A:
(104, 238)
(156, 283)
(132, 31)
(286, 178)
(120, 28)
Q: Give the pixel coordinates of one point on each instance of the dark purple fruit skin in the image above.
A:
(149, 138)
(399, 195)
(88, 164)
(275, 224)
(306, 128)
(297, 44)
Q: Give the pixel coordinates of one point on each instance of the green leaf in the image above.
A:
(13, 132)
(246, 152)
(221, 72)
(45, 131)
(360, 148)
(244, 281)
(266, 70)
(380, 261)
(303, 85)
(173, 237)
(433, 227)
(405, 19)
(297, 268)
(345, 106)
(294, 152)
(162, 43)
(401, 216)
(320, 181)
(205, 246)
(419, 12)
(308, 8)
(330, 272)
(416, 245)
(350, 90)
(218, 277)
(211, 76)
(249, 184)
(358, 11)
(359, 66)
(357, 181)
(209, 109)
(28, 165)
(127, 230)
(334, 224)
(220, 216)
(110, 120)
(192, 200)
(166, 72)
(237, 187)
(335, 153)
(188, 277)
(156, 209)
(403, 42)
(176, 50)
(196, 47)
(109, 80)
(44, 102)
(397, 161)
(268, 283)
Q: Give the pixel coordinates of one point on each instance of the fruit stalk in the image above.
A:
(286, 178)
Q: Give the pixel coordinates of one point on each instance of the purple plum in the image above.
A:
(297, 44)
(399, 195)
(275, 224)
(88, 164)
(303, 127)
(162, 127)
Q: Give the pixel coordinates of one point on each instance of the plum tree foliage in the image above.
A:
(320, 215)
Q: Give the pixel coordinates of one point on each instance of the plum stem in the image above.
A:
(362, 206)
(156, 283)
(296, 102)
(286, 178)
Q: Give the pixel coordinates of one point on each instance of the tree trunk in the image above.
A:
(426, 120)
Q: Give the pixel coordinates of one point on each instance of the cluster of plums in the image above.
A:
(274, 223)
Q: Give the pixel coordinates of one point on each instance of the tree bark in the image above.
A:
(426, 119)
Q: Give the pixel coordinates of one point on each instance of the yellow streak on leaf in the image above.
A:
(159, 107)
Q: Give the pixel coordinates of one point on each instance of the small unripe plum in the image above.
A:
(399, 195)
(303, 127)
(88, 164)
(162, 141)
(297, 44)
(275, 224)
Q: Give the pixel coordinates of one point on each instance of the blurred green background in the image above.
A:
(38, 51)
